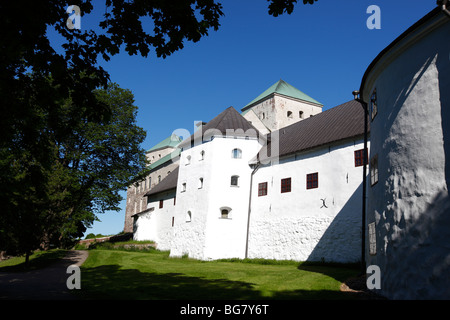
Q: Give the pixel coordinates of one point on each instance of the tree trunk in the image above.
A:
(27, 259)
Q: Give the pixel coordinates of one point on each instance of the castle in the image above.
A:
(280, 180)
(283, 180)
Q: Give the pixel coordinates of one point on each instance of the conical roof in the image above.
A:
(228, 123)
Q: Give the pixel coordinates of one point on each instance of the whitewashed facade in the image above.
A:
(407, 89)
(318, 224)
(213, 208)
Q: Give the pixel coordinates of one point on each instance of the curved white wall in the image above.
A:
(410, 204)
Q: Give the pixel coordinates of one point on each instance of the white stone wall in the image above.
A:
(309, 224)
(410, 204)
(156, 225)
(285, 105)
(207, 235)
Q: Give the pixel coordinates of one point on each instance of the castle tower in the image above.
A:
(279, 106)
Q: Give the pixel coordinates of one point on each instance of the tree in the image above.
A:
(278, 7)
(92, 162)
(46, 173)
(37, 124)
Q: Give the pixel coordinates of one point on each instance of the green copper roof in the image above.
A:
(171, 141)
(283, 88)
(171, 156)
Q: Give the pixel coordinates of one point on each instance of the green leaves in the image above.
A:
(279, 7)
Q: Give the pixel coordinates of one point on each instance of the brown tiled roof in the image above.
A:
(338, 123)
(229, 123)
(168, 183)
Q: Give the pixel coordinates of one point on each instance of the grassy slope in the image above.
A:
(141, 275)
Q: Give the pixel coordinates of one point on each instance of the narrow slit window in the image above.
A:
(374, 170)
(189, 216)
(372, 239)
(373, 104)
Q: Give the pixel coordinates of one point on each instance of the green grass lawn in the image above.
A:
(114, 274)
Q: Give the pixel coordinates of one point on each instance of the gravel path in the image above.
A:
(45, 284)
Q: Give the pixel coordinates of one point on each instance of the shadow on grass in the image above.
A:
(37, 261)
(112, 282)
(338, 271)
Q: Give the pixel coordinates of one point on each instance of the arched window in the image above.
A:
(236, 153)
(159, 179)
(300, 114)
(234, 181)
(200, 183)
(202, 155)
(188, 160)
(289, 114)
(225, 212)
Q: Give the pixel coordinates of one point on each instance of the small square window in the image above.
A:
(236, 154)
(359, 157)
(285, 185)
(262, 189)
(312, 180)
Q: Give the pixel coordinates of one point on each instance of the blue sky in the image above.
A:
(321, 49)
